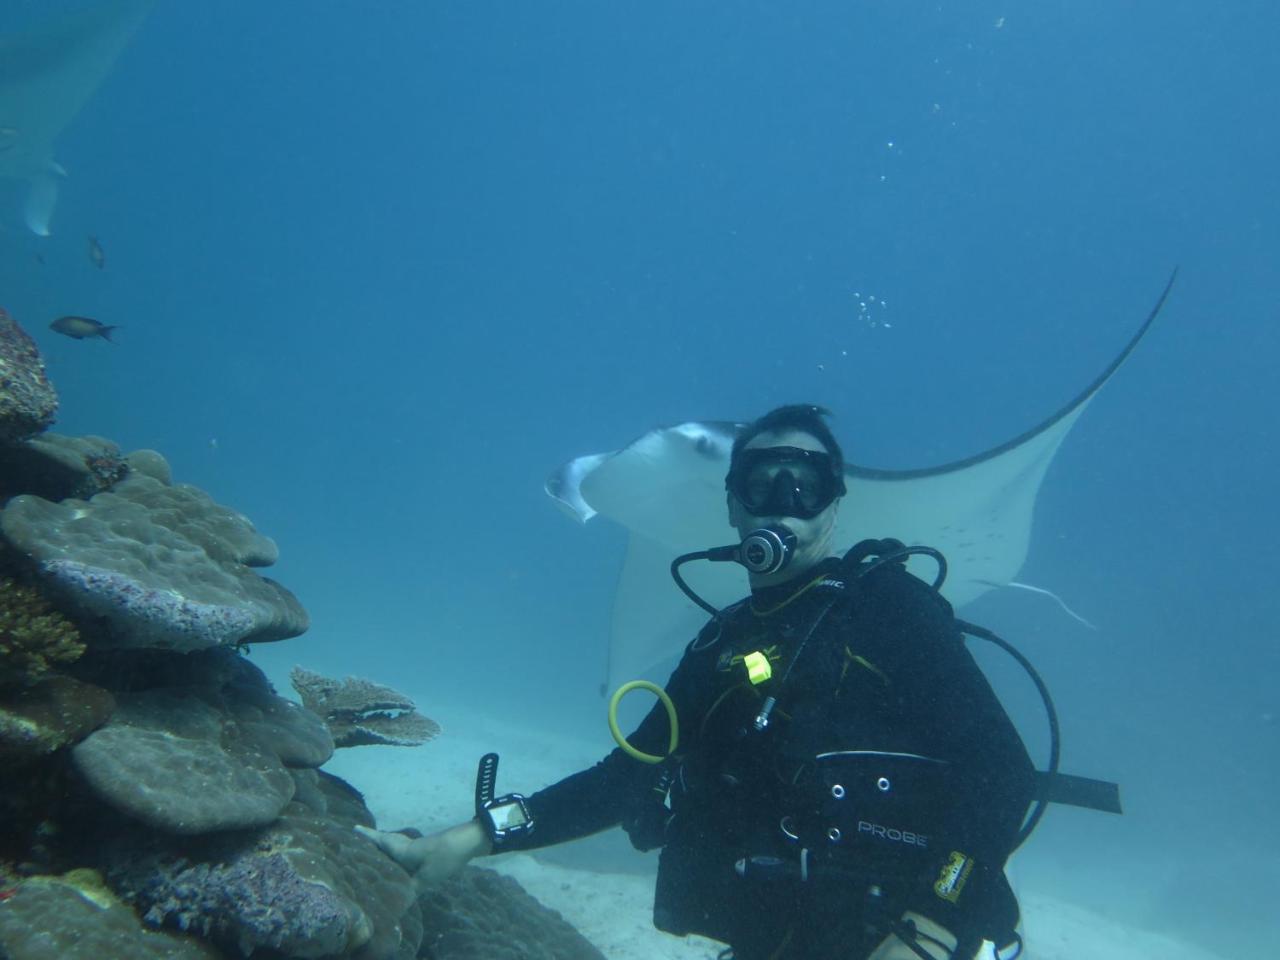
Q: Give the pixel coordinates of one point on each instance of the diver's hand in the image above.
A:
(435, 858)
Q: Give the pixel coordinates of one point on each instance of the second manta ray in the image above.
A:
(667, 489)
(47, 73)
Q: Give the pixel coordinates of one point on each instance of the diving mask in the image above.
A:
(785, 481)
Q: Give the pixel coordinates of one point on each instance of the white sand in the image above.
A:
(431, 787)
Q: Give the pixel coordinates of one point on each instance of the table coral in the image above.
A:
(360, 712)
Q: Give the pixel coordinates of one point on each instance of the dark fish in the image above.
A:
(96, 253)
(79, 328)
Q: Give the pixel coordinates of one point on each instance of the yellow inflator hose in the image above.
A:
(661, 694)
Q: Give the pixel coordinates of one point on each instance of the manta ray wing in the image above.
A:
(667, 489)
(46, 75)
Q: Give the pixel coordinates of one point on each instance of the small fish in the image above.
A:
(96, 253)
(80, 328)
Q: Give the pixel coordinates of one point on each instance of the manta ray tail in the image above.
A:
(1045, 593)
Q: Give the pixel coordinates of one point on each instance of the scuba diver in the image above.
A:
(828, 772)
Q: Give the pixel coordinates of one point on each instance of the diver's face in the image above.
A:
(813, 534)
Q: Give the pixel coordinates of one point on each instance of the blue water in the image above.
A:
(379, 270)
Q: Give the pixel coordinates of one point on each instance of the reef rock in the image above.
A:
(206, 756)
(161, 566)
(56, 467)
(359, 712)
(74, 917)
(39, 718)
(483, 915)
(27, 399)
(307, 886)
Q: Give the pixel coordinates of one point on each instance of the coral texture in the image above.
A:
(163, 566)
(483, 915)
(75, 918)
(34, 637)
(360, 712)
(27, 399)
(40, 717)
(307, 886)
(56, 467)
(205, 756)
(177, 763)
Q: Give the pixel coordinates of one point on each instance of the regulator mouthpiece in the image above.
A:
(767, 550)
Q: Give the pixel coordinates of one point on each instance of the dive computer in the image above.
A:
(503, 818)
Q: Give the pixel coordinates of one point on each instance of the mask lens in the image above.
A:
(784, 481)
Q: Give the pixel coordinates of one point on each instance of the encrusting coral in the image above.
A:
(34, 637)
(360, 713)
(75, 917)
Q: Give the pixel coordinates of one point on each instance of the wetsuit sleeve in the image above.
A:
(614, 789)
(993, 778)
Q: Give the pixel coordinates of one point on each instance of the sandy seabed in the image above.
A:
(432, 786)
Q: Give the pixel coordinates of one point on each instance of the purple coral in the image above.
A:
(163, 616)
(256, 900)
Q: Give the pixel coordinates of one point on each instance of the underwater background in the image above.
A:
(378, 269)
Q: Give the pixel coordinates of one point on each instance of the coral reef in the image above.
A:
(210, 755)
(138, 741)
(483, 915)
(57, 467)
(307, 886)
(359, 712)
(162, 566)
(27, 399)
(177, 763)
(75, 917)
(34, 637)
(39, 718)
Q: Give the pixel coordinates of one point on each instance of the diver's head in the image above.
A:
(787, 469)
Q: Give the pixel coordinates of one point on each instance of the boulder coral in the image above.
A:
(210, 755)
(483, 915)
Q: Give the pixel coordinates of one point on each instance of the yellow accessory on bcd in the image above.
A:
(758, 667)
(621, 741)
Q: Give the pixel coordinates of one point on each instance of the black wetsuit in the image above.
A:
(886, 752)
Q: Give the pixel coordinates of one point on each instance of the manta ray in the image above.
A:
(667, 489)
(46, 75)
